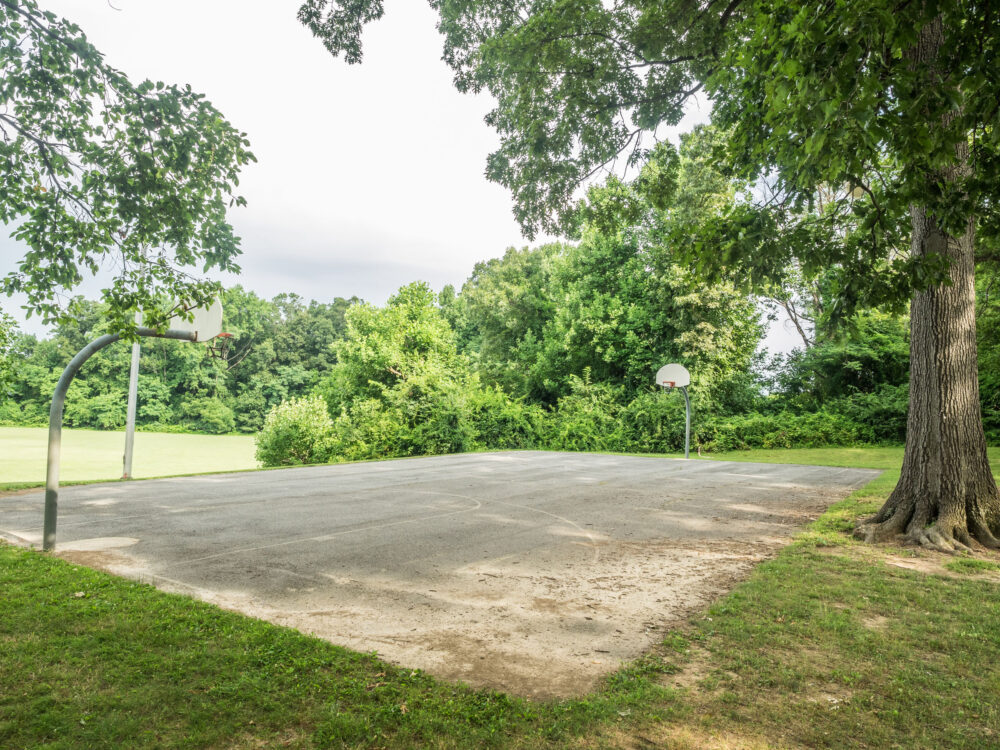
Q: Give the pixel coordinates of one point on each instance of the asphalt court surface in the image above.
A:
(533, 572)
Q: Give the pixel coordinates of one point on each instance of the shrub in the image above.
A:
(436, 418)
(784, 430)
(208, 415)
(365, 430)
(298, 431)
(654, 423)
(587, 419)
(503, 423)
(26, 415)
(880, 416)
(105, 411)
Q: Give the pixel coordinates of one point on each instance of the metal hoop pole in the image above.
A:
(687, 422)
(56, 419)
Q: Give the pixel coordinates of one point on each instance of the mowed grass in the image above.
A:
(92, 455)
(831, 644)
(888, 457)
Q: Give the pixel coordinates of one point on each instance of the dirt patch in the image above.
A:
(695, 670)
(524, 631)
(916, 559)
(832, 697)
(875, 622)
(106, 560)
(931, 567)
(684, 738)
(15, 493)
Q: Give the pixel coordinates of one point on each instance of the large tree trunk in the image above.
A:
(946, 494)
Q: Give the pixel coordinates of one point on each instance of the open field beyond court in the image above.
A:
(93, 455)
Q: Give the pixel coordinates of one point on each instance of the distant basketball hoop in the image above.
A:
(673, 376)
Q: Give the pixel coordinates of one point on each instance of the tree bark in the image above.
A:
(946, 495)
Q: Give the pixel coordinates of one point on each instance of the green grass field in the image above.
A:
(91, 455)
(831, 644)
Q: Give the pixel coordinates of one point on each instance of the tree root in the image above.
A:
(940, 536)
(982, 534)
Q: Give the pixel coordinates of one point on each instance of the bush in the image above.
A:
(784, 430)
(503, 423)
(209, 415)
(296, 432)
(436, 415)
(880, 416)
(654, 423)
(105, 411)
(587, 419)
(365, 430)
(22, 415)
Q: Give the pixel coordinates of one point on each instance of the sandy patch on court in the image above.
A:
(516, 628)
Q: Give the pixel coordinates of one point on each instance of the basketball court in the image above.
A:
(532, 572)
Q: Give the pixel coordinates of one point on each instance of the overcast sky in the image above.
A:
(368, 176)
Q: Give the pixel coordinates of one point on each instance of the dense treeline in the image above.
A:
(285, 345)
(552, 347)
(517, 358)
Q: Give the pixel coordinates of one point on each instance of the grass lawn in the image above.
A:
(830, 644)
(89, 455)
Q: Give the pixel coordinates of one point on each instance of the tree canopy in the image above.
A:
(827, 96)
(867, 130)
(100, 173)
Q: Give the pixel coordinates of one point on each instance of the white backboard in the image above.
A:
(673, 375)
(206, 323)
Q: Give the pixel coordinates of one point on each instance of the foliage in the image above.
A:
(587, 419)
(618, 303)
(284, 346)
(578, 84)
(879, 416)
(504, 423)
(383, 348)
(8, 333)
(298, 431)
(988, 332)
(98, 170)
(782, 430)
(873, 351)
(400, 387)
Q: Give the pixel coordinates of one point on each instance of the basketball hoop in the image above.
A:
(219, 348)
(676, 376)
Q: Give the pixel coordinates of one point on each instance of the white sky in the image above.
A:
(368, 176)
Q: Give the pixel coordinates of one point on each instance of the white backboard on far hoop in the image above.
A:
(673, 376)
(206, 323)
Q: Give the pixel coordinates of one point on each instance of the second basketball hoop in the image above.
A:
(673, 376)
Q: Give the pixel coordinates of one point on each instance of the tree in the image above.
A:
(896, 102)
(100, 172)
(8, 332)
(506, 304)
(400, 386)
